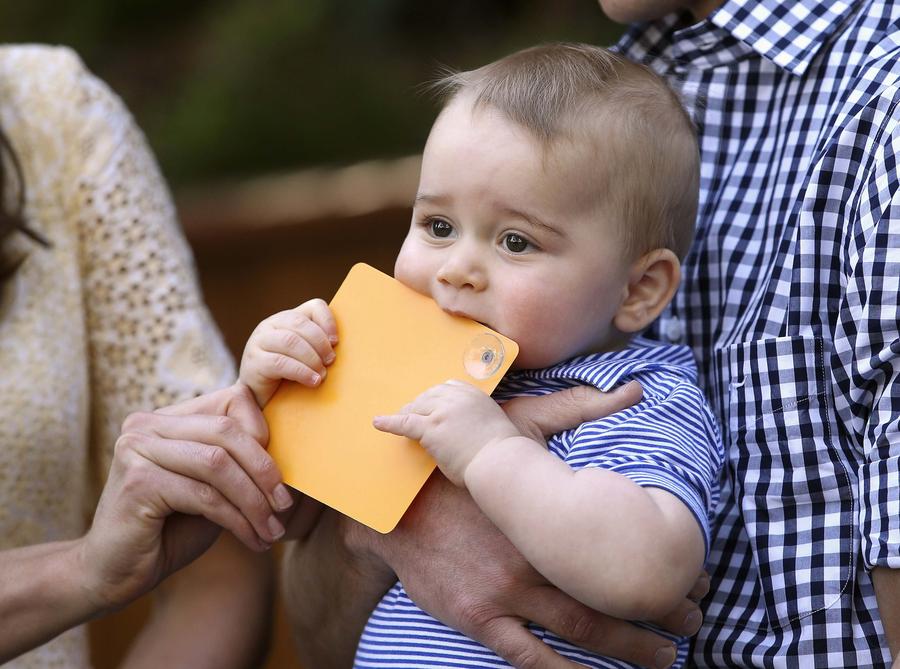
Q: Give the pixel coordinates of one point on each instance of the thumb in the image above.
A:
(565, 409)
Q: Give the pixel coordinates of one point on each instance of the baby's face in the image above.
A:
(503, 234)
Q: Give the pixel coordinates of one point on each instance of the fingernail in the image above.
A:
(333, 338)
(283, 499)
(691, 624)
(329, 359)
(276, 529)
(315, 379)
(664, 657)
(624, 387)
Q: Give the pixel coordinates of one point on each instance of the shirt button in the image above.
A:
(673, 329)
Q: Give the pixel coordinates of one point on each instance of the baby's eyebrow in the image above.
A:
(532, 220)
(431, 199)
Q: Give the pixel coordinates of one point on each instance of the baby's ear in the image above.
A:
(652, 281)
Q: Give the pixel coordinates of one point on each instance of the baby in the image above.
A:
(558, 191)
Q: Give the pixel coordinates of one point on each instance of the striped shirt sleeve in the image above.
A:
(669, 440)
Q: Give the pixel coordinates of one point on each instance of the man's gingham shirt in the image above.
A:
(668, 440)
(790, 302)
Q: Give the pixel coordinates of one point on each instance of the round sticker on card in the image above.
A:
(484, 356)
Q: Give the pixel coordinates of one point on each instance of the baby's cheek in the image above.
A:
(537, 331)
(412, 273)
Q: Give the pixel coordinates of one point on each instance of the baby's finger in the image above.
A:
(320, 313)
(303, 341)
(410, 425)
(308, 332)
(279, 366)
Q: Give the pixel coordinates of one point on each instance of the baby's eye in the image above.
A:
(516, 243)
(440, 227)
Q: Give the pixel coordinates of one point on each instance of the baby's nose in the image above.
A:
(463, 270)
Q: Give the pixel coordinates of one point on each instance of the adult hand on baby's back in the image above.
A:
(458, 567)
(464, 572)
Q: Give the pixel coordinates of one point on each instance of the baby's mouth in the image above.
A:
(463, 314)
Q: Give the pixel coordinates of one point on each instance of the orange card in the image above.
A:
(393, 344)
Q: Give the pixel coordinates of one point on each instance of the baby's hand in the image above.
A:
(294, 344)
(453, 421)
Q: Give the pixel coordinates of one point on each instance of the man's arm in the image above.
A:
(458, 567)
(866, 355)
(329, 591)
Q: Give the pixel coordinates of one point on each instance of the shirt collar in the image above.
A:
(605, 371)
(787, 32)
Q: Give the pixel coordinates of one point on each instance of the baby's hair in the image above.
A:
(633, 126)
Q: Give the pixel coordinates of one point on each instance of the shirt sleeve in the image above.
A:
(867, 346)
(668, 441)
(151, 340)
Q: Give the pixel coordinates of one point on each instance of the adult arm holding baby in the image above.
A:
(473, 577)
(622, 549)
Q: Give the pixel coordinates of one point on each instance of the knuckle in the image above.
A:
(474, 612)
(261, 504)
(581, 394)
(298, 320)
(578, 627)
(224, 425)
(265, 466)
(290, 341)
(135, 472)
(280, 364)
(581, 399)
(524, 658)
(207, 495)
(216, 457)
(128, 441)
(135, 421)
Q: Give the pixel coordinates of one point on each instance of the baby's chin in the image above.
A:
(537, 360)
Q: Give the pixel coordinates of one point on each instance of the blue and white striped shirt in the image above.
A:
(668, 440)
(791, 303)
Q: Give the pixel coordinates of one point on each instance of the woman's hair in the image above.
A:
(11, 212)
(641, 143)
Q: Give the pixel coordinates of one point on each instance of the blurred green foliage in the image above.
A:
(235, 87)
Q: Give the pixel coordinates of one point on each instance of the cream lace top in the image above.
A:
(108, 321)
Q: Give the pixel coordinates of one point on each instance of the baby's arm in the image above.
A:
(296, 345)
(619, 548)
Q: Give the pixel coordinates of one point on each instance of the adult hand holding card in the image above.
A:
(394, 344)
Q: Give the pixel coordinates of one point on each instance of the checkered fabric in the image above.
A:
(790, 302)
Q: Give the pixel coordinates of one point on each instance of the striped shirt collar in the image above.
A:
(605, 371)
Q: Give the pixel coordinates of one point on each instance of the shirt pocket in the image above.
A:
(794, 488)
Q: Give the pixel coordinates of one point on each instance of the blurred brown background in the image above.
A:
(289, 132)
